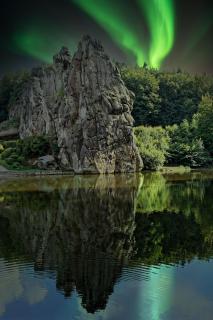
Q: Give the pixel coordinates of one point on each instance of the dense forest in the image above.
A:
(173, 113)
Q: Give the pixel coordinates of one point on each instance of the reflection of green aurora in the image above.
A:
(155, 296)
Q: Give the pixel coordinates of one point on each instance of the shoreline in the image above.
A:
(22, 173)
(30, 173)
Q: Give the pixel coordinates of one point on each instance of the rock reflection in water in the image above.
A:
(82, 227)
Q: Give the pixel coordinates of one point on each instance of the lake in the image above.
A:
(123, 247)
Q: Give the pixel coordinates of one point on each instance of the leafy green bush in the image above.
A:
(16, 153)
(11, 159)
(9, 144)
(34, 146)
(186, 147)
(6, 153)
(153, 143)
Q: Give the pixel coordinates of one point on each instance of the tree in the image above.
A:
(145, 86)
(153, 144)
(205, 122)
(163, 98)
(186, 147)
(180, 95)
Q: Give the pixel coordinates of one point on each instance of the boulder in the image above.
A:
(46, 162)
(3, 169)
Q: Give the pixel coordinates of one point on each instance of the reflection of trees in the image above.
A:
(174, 219)
(153, 195)
(160, 193)
(168, 237)
(85, 228)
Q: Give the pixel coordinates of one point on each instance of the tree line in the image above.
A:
(173, 113)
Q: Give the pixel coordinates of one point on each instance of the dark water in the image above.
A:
(115, 247)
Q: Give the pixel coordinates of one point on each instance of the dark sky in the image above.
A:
(53, 23)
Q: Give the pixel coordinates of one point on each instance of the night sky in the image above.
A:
(166, 34)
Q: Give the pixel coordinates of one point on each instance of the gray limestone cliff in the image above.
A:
(81, 102)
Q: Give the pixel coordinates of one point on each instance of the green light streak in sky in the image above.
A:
(160, 16)
(111, 19)
(40, 43)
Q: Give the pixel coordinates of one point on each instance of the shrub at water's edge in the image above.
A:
(153, 143)
(16, 154)
(186, 146)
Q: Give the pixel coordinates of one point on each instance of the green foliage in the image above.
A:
(180, 95)
(163, 98)
(186, 147)
(205, 122)
(145, 86)
(153, 143)
(11, 158)
(9, 144)
(16, 153)
(34, 146)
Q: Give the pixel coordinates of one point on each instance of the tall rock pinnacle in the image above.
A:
(83, 103)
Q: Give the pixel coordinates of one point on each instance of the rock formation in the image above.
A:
(83, 104)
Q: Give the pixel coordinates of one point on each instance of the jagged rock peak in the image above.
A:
(87, 41)
(63, 57)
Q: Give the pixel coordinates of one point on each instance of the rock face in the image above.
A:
(84, 105)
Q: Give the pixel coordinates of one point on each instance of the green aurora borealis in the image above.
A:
(111, 16)
(160, 18)
(41, 42)
(161, 33)
(160, 15)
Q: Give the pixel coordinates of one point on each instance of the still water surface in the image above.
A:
(112, 248)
